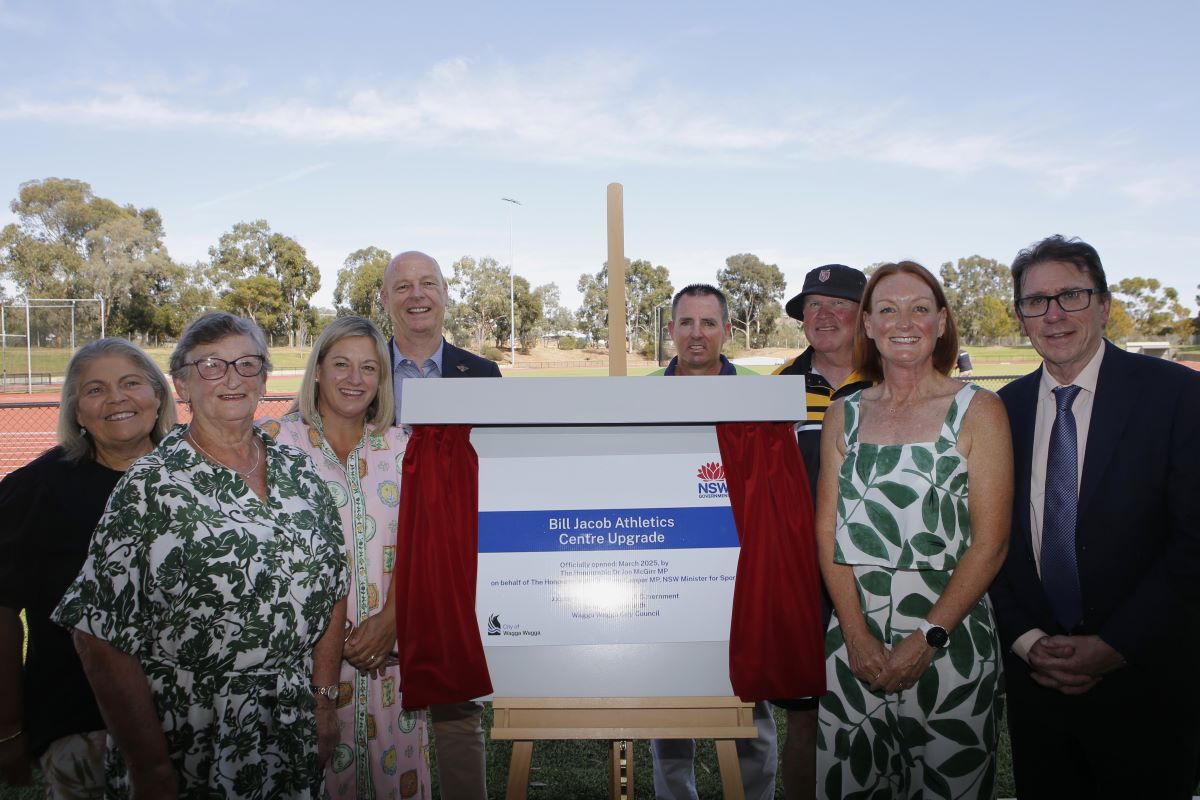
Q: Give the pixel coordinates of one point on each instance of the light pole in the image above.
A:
(512, 294)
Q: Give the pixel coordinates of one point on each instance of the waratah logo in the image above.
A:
(712, 480)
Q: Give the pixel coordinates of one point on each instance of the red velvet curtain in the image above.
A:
(437, 544)
(776, 647)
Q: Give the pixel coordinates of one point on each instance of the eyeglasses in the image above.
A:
(213, 369)
(1036, 305)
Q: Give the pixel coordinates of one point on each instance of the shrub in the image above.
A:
(567, 343)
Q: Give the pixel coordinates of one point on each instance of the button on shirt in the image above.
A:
(404, 367)
(1043, 424)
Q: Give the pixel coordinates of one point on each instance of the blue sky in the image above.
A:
(802, 132)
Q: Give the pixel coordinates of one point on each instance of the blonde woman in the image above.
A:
(343, 420)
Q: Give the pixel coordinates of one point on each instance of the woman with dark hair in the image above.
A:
(209, 612)
(913, 506)
(115, 408)
(343, 420)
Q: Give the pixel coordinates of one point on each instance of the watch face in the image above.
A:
(333, 691)
(936, 636)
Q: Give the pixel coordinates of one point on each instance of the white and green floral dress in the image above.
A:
(221, 598)
(903, 525)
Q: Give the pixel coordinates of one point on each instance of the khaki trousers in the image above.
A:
(461, 751)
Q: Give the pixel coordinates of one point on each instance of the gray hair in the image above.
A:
(381, 413)
(78, 447)
(211, 328)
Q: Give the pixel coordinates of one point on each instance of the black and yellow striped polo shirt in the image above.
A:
(819, 394)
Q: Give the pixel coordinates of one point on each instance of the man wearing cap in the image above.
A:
(699, 327)
(828, 307)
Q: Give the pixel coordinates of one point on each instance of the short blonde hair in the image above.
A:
(381, 413)
(78, 447)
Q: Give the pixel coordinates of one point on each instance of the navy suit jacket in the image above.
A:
(458, 363)
(1138, 532)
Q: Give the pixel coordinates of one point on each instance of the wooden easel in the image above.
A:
(620, 720)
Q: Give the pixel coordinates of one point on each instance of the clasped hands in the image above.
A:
(889, 670)
(1072, 665)
(367, 647)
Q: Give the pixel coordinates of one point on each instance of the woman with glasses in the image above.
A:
(116, 406)
(343, 420)
(913, 507)
(209, 612)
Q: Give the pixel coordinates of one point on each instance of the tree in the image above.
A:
(993, 319)
(252, 249)
(528, 307)
(592, 317)
(1120, 325)
(482, 296)
(1196, 321)
(359, 282)
(646, 288)
(69, 243)
(555, 318)
(1154, 309)
(129, 268)
(258, 297)
(966, 284)
(754, 291)
(43, 252)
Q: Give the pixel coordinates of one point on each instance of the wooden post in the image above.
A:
(617, 364)
(621, 720)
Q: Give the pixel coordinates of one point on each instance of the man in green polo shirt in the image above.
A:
(699, 328)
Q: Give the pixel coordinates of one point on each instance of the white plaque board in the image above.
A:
(607, 551)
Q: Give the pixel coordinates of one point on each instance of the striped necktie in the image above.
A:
(1060, 572)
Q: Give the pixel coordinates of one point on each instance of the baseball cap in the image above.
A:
(833, 280)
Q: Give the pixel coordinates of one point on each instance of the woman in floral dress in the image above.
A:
(913, 512)
(209, 613)
(343, 420)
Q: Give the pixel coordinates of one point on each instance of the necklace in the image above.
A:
(212, 458)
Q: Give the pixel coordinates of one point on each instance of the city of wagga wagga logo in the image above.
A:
(712, 481)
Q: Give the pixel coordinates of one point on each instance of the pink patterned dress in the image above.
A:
(383, 751)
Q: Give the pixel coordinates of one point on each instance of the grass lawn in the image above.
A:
(579, 770)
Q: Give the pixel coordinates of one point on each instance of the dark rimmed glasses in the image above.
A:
(1036, 305)
(213, 369)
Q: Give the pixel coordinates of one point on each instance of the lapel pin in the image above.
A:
(462, 367)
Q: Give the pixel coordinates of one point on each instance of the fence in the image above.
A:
(29, 429)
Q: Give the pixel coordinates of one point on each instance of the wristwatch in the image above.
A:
(331, 691)
(935, 635)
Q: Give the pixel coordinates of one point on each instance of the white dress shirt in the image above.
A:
(1043, 424)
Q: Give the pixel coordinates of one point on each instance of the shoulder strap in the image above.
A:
(958, 411)
(850, 413)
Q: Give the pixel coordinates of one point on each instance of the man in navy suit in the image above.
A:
(1096, 602)
(415, 293)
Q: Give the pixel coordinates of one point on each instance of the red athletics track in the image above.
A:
(28, 424)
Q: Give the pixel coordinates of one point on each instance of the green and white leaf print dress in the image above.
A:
(903, 525)
(221, 597)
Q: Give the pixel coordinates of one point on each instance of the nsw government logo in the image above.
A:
(712, 481)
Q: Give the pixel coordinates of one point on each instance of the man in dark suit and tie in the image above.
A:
(1096, 602)
(415, 294)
